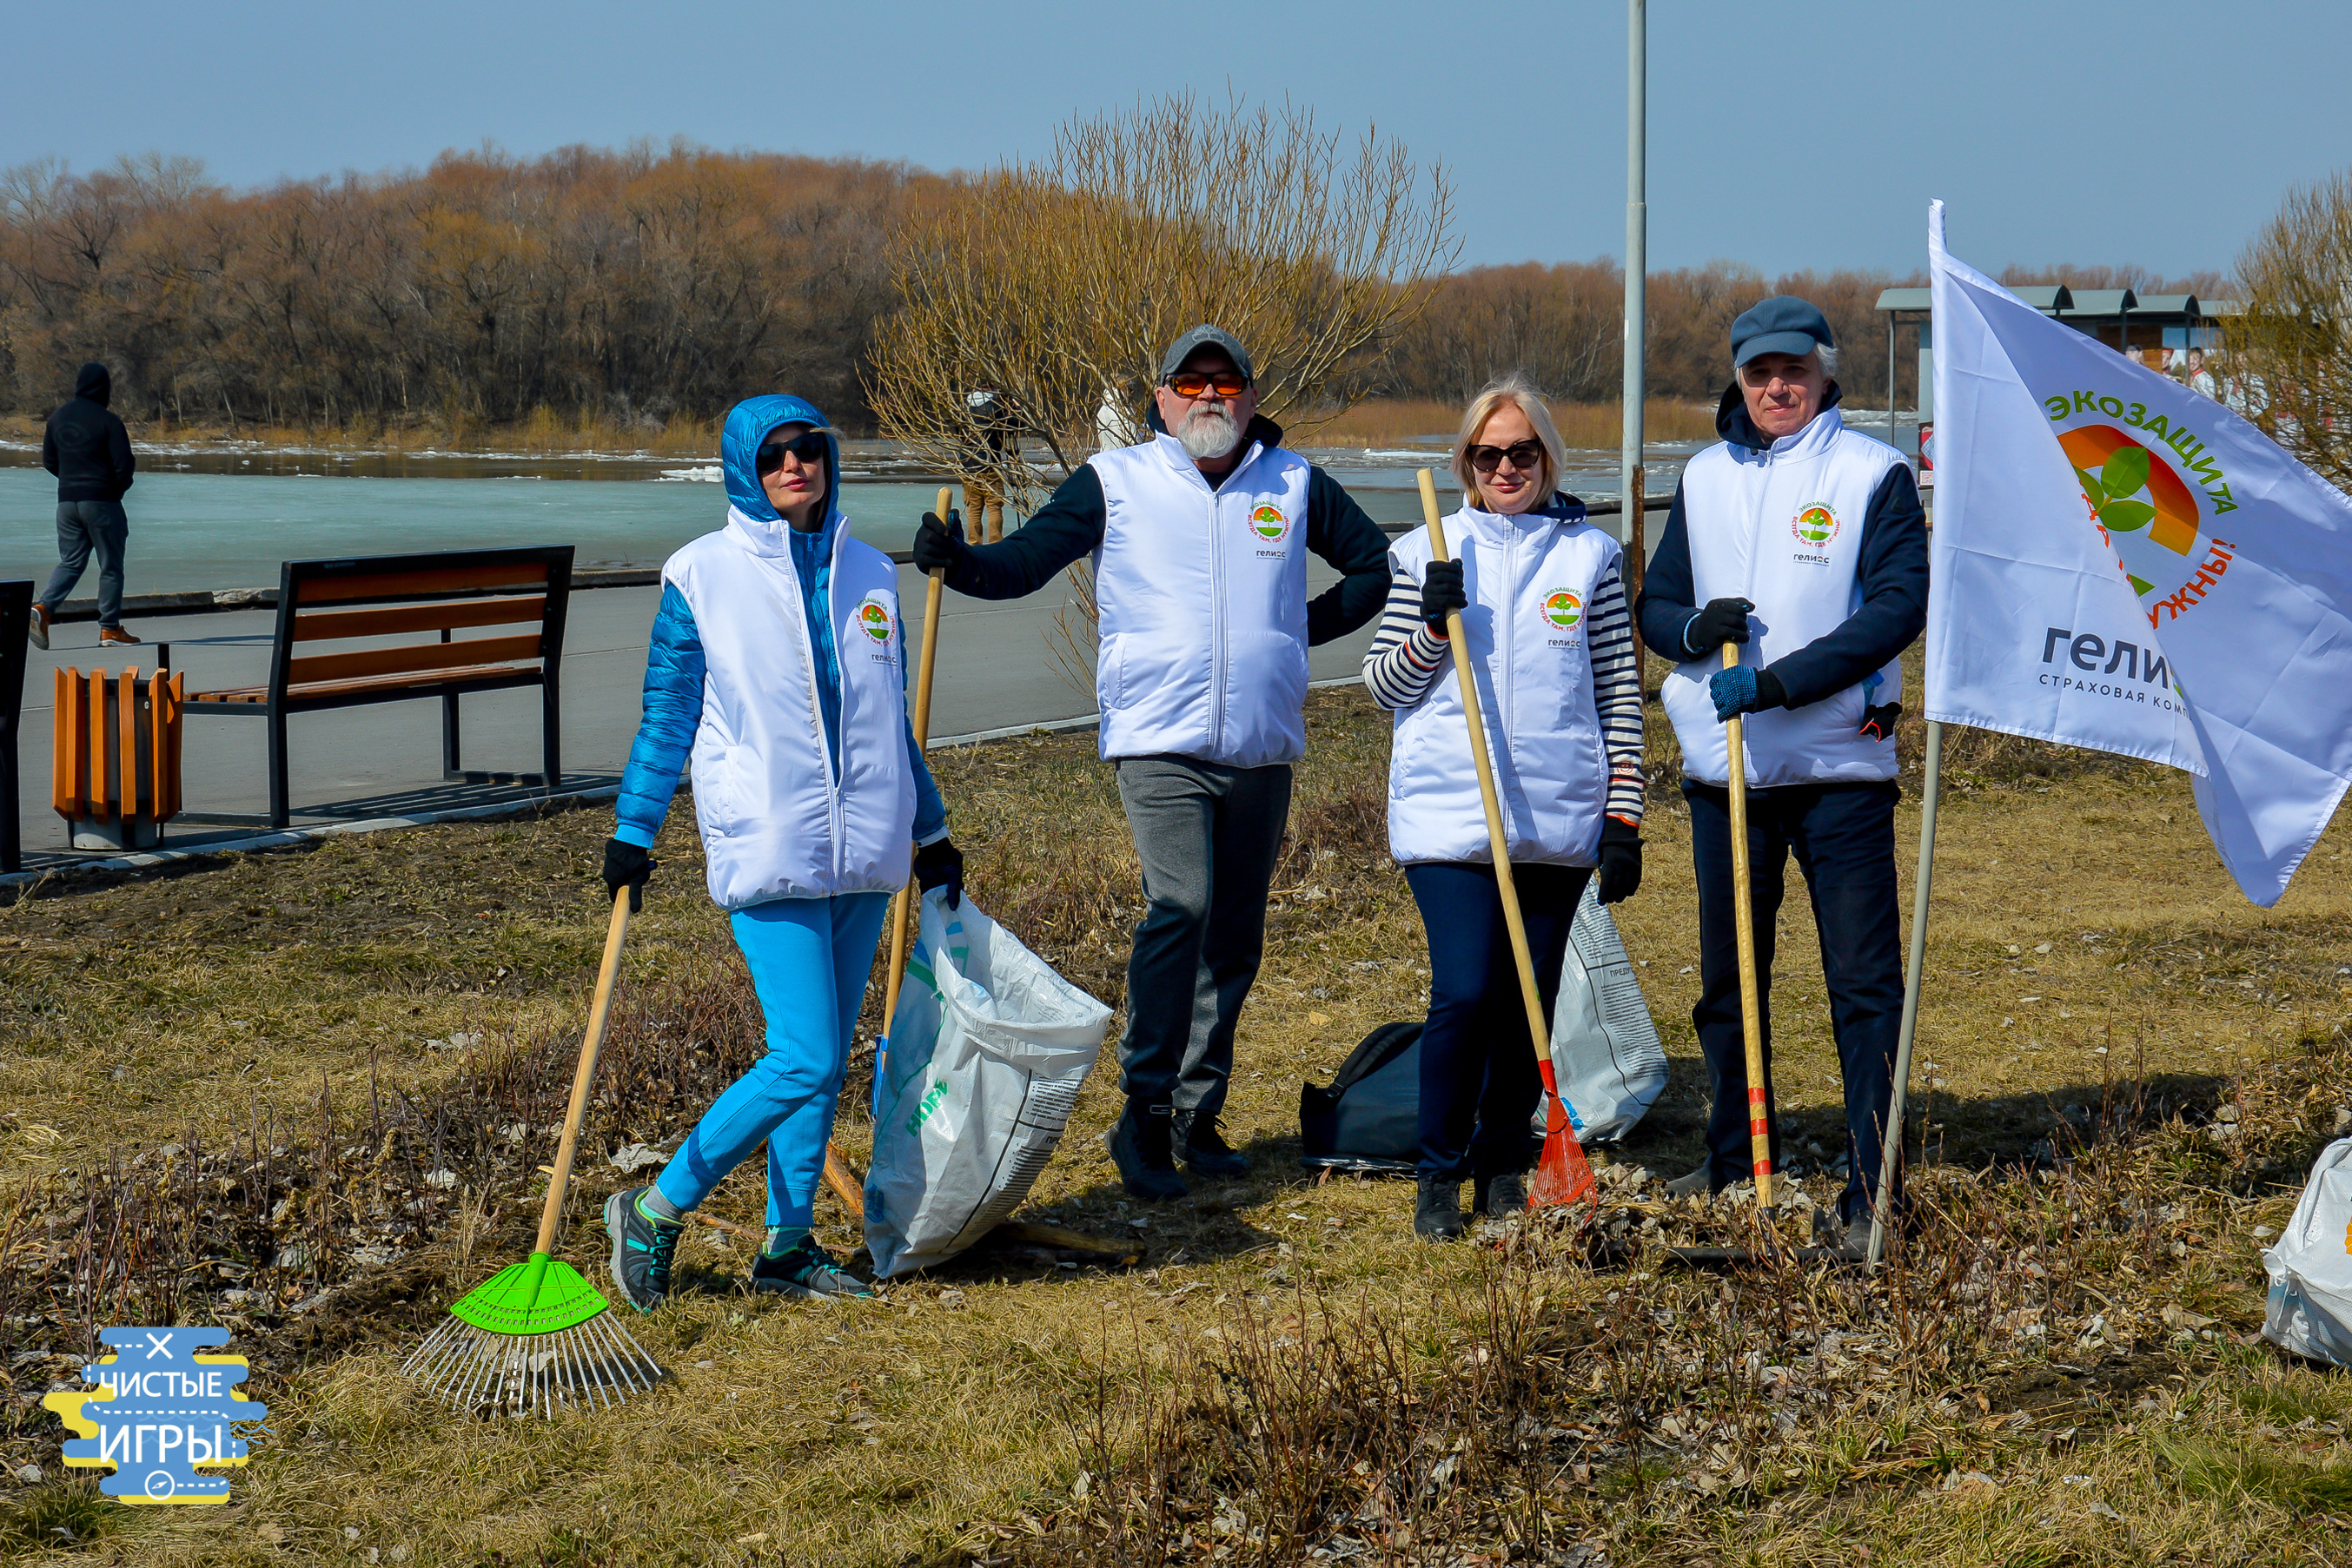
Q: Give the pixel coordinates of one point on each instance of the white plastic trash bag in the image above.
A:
(2311, 1266)
(988, 1048)
(1605, 1051)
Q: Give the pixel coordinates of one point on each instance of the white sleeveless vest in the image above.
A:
(1201, 597)
(1782, 529)
(774, 824)
(1530, 582)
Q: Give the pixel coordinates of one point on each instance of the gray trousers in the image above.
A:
(84, 526)
(1207, 836)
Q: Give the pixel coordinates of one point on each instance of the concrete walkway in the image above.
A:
(996, 671)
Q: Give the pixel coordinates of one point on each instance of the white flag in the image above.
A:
(2123, 564)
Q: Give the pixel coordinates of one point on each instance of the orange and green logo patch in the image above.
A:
(1816, 525)
(874, 621)
(1268, 523)
(2129, 488)
(1563, 608)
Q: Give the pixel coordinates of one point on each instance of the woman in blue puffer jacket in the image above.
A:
(777, 664)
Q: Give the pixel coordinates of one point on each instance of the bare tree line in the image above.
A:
(626, 287)
(618, 286)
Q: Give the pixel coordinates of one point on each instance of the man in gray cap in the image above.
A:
(1803, 543)
(1199, 537)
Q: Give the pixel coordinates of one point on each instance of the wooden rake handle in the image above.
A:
(921, 721)
(608, 975)
(1743, 907)
(1498, 837)
(838, 1173)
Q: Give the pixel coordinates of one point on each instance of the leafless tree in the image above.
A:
(2290, 354)
(1056, 285)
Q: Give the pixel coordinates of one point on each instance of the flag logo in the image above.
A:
(2139, 504)
(1563, 608)
(1268, 523)
(1816, 525)
(873, 620)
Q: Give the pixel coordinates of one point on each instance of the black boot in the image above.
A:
(1143, 1144)
(1437, 1209)
(1500, 1197)
(1204, 1148)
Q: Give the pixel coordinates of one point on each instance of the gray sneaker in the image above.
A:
(808, 1271)
(1695, 1185)
(642, 1246)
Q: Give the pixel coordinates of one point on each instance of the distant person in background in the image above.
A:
(87, 448)
(2200, 379)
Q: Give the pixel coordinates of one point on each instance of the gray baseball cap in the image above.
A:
(1205, 336)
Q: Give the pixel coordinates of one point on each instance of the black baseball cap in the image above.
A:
(1205, 336)
(1784, 324)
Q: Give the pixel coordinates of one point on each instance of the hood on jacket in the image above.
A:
(1732, 423)
(738, 454)
(1260, 428)
(96, 382)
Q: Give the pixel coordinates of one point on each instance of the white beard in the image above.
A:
(1209, 434)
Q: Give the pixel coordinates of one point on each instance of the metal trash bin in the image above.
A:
(115, 777)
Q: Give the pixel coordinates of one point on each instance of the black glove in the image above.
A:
(1440, 593)
(940, 864)
(1620, 862)
(1878, 722)
(626, 865)
(1723, 620)
(938, 546)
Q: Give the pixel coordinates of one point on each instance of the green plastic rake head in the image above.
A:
(538, 1295)
(536, 1334)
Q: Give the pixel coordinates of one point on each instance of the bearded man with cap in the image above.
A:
(1199, 537)
(1803, 542)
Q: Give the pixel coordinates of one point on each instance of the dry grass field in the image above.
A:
(224, 1090)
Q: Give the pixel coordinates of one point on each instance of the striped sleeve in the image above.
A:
(1617, 695)
(1405, 656)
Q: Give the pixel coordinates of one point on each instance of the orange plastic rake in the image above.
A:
(1563, 1175)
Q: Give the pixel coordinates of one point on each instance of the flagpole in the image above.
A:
(1890, 1142)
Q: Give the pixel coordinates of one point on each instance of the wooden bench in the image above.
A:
(15, 621)
(526, 589)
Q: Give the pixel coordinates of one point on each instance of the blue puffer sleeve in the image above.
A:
(674, 672)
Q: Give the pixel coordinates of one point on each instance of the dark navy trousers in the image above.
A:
(1844, 838)
(1479, 1083)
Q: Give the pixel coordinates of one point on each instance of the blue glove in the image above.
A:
(1745, 689)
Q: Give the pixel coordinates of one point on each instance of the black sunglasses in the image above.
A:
(1524, 455)
(808, 448)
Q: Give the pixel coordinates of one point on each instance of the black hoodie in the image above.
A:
(1892, 579)
(85, 445)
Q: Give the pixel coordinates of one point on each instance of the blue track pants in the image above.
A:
(810, 958)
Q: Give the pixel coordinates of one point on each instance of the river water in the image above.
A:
(210, 519)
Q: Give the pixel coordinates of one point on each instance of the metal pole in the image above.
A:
(1890, 1142)
(1893, 323)
(1637, 260)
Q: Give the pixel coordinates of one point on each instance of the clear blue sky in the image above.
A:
(2159, 132)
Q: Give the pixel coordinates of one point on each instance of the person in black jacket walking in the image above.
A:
(87, 448)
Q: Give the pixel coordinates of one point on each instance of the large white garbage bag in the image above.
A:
(2311, 1266)
(1605, 1051)
(987, 1051)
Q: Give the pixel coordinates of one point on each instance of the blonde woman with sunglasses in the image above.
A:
(1550, 645)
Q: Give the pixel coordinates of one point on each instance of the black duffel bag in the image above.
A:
(1369, 1117)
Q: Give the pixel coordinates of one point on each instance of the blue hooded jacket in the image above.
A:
(674, 661)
